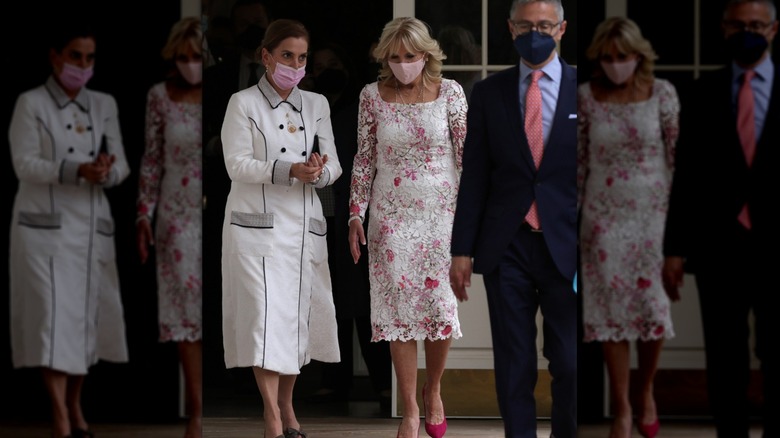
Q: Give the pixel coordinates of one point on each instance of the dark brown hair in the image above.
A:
(281, 29)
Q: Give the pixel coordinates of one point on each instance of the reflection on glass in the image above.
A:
(460, 46)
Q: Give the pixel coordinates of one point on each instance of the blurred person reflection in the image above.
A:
(240, 66)
(248, 21)
(66, 150)
(721, 224)
(461, 48)
(628, 126)
(169, 196)
(334, 76)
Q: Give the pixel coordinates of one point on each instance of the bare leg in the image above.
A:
(435, 360)
(56, 383)
(268, 384)
(191, 355)
(73, 399)
(617, 356)
(648, 353)
(404, 355)
(286, 385)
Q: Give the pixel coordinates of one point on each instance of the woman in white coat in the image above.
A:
(66, 310)
(277, 303)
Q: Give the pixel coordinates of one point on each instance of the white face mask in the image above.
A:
(619, 72)
(192, 72)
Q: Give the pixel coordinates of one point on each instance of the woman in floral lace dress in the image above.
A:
(170, 194)
(628, 126)
(411, 127)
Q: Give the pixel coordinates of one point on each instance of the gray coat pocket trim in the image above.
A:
(51, 221)
(252, 220)
(318, 227)
(105, 227)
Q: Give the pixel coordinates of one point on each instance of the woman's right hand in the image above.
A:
(357, 237)
(143, 238)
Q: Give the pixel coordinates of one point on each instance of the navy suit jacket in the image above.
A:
(500, 181)
(712, 180)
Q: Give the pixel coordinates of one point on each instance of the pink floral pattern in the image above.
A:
(406, 174)
(626, 159)
(170, 190)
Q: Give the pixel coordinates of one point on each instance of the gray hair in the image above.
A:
(557, 3)
(770, 5)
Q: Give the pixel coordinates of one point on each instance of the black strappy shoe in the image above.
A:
(293, 433)
(81, 433)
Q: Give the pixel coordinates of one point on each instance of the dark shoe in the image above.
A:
(81, 433)
(293, 433)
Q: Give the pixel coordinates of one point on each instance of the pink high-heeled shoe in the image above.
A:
(433, 430)
(648, 430)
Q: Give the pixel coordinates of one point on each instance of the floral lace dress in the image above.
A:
(406, 173)
(170, 190)
(624, 173)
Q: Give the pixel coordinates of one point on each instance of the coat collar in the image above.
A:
(294, 99)
(58, 94)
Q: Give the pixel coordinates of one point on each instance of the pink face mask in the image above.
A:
(286, 77)
(192, 72)
(406, 72)
(619, 72)
(73, 78)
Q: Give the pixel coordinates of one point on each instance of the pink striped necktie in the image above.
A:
(534, 133)
(746, 128)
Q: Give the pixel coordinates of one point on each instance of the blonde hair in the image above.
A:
(627, 38)
(625, 34)
(414, 35)
(184, 32)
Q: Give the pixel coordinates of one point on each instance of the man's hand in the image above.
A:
(460, 276)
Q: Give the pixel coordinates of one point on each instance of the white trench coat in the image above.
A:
(277, 303)
(66, 309)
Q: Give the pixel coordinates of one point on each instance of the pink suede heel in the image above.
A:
(648, 430)
(433, 430)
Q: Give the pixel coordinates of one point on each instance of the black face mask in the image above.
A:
(331, 80)
(251, 38)
(746, 47)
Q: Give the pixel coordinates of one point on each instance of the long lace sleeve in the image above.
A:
(456, 112)
(583, 129)
(151, 170)
(364, 163)
(670, 120)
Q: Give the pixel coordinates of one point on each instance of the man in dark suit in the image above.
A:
(518, 219)
(231, 73)
(720, 224)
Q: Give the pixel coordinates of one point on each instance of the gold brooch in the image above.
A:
(290, 126)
